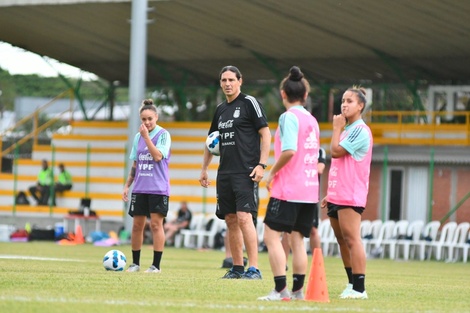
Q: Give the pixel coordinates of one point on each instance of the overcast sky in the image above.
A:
(19, 61)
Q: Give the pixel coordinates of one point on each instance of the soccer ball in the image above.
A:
(213, 142)
(114, 260)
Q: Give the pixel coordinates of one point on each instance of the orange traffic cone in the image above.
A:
(317, 289)
(79, 239)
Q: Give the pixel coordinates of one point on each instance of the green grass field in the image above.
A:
(46, 277)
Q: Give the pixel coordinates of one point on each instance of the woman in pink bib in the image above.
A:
(348, 185)
(293, 186)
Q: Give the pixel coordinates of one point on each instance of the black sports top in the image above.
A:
(238, 123)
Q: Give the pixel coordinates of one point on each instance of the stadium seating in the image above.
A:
(101, 178)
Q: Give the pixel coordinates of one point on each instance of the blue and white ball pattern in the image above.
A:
(114, 260)
(213, 143)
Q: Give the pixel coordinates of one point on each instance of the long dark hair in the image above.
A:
(295, 85)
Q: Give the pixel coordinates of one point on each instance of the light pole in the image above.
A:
(137, 74)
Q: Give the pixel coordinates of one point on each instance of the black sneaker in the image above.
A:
(252, 273)
(228, 262)
(231, 274)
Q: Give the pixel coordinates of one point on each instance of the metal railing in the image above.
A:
(36, 128)
(412, 128)
(388, 127)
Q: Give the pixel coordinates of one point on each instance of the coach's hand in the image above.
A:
(204, 179)
(257, 174)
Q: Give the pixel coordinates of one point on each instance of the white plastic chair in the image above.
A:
(445, 237)
(323, 227)
(413, 236)
(307, 240)
(188, 237)
(465, 249)
(389, 244)
(205, 237)
(365, 228)
(374, 230)
(429, 235)
(328, 238)
(460, 237)
(386, 232)
(260, 230)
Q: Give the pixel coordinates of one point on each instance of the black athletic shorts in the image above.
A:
(236, 192)
(316, 218)
(283, 216)
(334, 208)
(144, 204)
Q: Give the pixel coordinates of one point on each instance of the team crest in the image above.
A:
(236, 114)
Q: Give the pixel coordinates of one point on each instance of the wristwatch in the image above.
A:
(264, 166)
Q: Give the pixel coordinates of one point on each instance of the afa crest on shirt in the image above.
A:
(236, 113)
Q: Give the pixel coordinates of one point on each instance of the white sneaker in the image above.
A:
(133, 268)
(276, 296)
(153, 269)
(346, 291)
(353, 294)
(297, 295)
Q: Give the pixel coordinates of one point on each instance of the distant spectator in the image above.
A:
(182, 221)
(64, 181)
(41, 191)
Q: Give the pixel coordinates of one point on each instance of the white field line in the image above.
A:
(257, 308)
(24, 257)
(183, 304)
